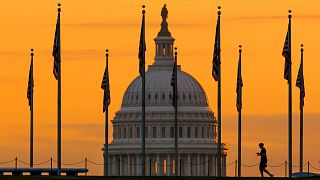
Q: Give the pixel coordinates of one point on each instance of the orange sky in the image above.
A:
(89, 27)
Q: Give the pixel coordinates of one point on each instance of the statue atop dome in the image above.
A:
(164, 13)
(164, 31)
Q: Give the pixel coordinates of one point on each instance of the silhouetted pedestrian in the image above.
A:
(263, 160)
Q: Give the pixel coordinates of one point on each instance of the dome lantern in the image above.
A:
(164, 42)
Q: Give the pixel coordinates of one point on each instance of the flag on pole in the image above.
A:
(30, 83)
(106, 88)
(216, 53)
(239, 85)
(300, 83)
(142, 47)
(173, 84)
(286, 54)
(56, 49)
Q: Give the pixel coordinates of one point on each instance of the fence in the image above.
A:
(86, 161)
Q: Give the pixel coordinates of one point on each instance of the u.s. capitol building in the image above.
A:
(197, 139)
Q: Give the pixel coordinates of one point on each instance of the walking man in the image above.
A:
(263, 160)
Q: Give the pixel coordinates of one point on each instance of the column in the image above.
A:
(148, 165)
(224, 163)
(120, 165)
(198, 165)
(129, 166)
(206, 164)
(158, 165)
(189, 165)
(112, 165)
(168, 165)
(137, 165)
(214, 165)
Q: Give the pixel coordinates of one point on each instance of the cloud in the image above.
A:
(108, 25)
(298, 16)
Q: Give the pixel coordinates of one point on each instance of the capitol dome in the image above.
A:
(197, 134)
(159, 90)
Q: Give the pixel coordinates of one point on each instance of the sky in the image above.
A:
(89, 27)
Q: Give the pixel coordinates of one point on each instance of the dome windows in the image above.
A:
(196, 132)
(154, 132)
(130, 132)
(146, 132)
(202, 132)
(138, 132)
(120, 133)
(180, 132)
(164, 51)
(189, 132)
(163, 132)
(124, 132)
(171, 132)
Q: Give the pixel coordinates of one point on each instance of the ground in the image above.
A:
(144, 178)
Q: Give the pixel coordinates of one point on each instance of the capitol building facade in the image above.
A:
(197, 131)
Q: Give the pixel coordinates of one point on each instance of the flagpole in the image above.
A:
(176, 155)
(106, 139)
(31, 113)
(239, 116)
(219, 104)
(301, 111)
(143, 118)
(59, 97)
(290, 101)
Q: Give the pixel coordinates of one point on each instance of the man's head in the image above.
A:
(261, 145)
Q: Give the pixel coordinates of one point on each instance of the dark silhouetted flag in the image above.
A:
(174, 84)
(106, 88)
(56, 49)
(300, 84)
(239, 86)
(142, 48)
(30, 83)
(216, 53)
(286, 54)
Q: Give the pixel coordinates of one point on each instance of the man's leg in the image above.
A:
(261, 171)
(265, 170)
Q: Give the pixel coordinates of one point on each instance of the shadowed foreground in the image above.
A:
(133, 178)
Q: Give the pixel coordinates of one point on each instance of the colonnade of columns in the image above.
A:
(163, 165)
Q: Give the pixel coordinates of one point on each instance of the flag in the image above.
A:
(239, 86)
(142, 48)
(300, 84)
(174, 84)
(30, 83)
(56, 49)
(106, 88)
(286, 53)
(216, 53)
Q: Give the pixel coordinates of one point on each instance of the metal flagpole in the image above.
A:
(106, 105)
(176, 155)
(290, 101)
(219, 103)
(301, 109)
(239, 87)
(143, 118)
(59, 96)
(31, 112)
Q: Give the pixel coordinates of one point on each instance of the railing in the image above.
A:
(119, 163)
